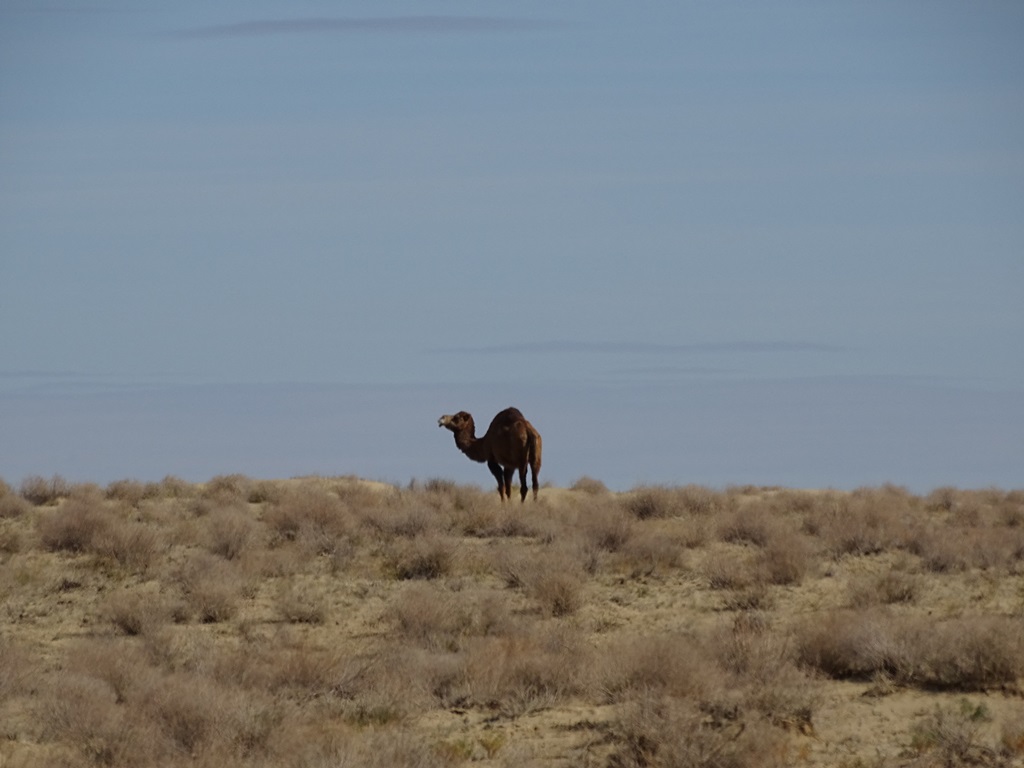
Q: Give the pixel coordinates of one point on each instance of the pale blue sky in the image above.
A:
(711, 242)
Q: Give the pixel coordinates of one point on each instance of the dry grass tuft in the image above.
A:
(301, 605)
(664, 664)
(664, 731)
(39, 491)
(11, 504)
(211, 587)
(525, 672)
(76, 526)
(231, 531)
(135, 612)
(589, 486)
(957, 654)
(427, 557)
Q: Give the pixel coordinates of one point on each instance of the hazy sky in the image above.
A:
(710, 242)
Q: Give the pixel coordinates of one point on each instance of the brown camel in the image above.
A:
(510, 443)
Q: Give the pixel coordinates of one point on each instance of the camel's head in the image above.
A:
(457, 422)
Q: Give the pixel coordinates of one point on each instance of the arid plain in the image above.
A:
(319, 622)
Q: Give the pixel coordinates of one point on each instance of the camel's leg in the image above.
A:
(534, 469)
(522, 483)
(496, 470)
(509, 471)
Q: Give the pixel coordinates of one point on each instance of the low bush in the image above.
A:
(663, 664)
(657, 730)
(607, 526)
(134, 546)
(957, 654)
(135, 612)
(889, 588)
(301, 605)
(527, 671)
(39, 491)
(785, 558)
(230, 531)
(75, 526)
(426, 557)
(951, 735)
(212, 588)
(589, 485)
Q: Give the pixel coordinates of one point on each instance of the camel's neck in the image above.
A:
(469, 445)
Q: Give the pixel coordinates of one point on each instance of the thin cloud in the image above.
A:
(378, 24)
(627, 347)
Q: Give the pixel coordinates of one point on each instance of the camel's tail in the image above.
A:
(534, 446)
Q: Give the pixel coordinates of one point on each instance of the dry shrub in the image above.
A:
(409, 519)
(369, 749)
(39, 491)
(557, 590)
(230, 531)
(663, 731)
(589, 486)
(951, 735)
(953, 549)
(649, 502)
(849, 644)
(297, 670)
(82, 712)
(786, 557)
(75, 526)
(129, 492)
(553, 579)
(652, 502)
(187, 709)
(132, 545)
(430, 617)
(607, 526)
(135, 612)
(299, 605)
(942, 499)
(731, 569)
(698, 500)
(664, 664)
(889, 588)
(965, 654)
(211, 587)
(761, 661)
(425, 557)
(958, 654)
(17, 668)
(1011, 737)
(438, 619)
(227, 490)
(313, 517)
(746, 525)
(121, 666)
(525, 672)
(650, 552)
(13, 506)
(172, 487)
(11, 538)
(444, 495)
(793, 501)
(862, 523)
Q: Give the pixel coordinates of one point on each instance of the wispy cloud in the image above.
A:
(374, 24)
(642, 348)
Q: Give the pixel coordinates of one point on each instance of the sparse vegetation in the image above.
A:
(334, 621)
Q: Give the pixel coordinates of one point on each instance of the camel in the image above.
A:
(510, 443)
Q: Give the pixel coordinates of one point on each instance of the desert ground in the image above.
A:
(335, 621)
